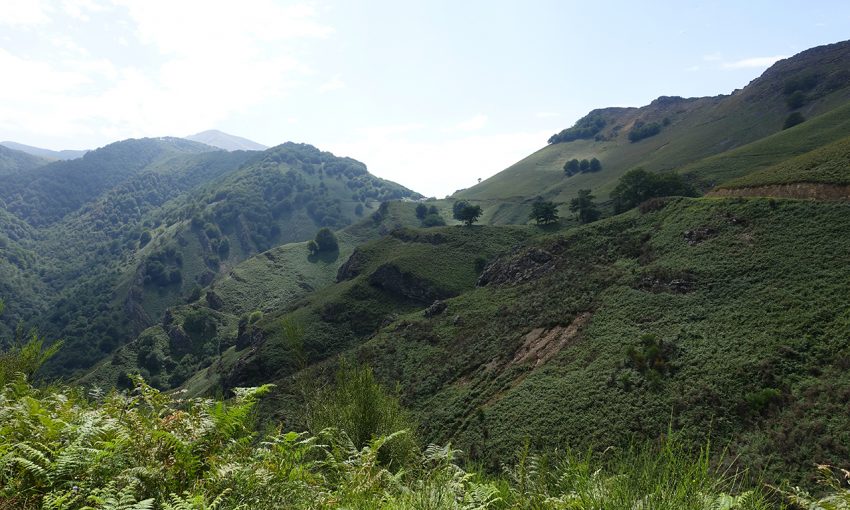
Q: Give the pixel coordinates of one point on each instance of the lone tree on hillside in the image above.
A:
(543, 212)
(584, 207)
(571, 167)
(595, 165)
(326, 240)
(638, 185)
(466, 212)
(421, 211)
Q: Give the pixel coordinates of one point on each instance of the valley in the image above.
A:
(711, 320)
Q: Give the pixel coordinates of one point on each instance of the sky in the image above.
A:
(432, 94)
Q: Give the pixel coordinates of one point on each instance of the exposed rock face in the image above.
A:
(214, 301)
(390, 278)
(663, 281)
(698, 235)
(532, 264)
(179, 341)
(247, 335)
(352, 267)
(435, 309)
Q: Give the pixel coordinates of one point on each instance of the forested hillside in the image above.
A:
(98, 247)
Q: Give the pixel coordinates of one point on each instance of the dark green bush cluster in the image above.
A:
(586, 127)
(638, 185)
(643, 130)
(575, 166)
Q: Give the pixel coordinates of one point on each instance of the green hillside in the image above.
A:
(696, 316)
(669, 134)
(265, 283)
(12, 161)
(829, 164)
(101, 246)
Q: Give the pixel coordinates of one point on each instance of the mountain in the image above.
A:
(721, 316)
(14, 161)
(225, 141)
(116, 237)
(44, 153)
(671, 133)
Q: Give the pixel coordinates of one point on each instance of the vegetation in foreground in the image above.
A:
(63, 449)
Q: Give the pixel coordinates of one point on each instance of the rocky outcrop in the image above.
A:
(531, 264)
(393, 280)
(352, 267)
(436, 308)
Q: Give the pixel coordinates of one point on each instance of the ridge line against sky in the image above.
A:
(433, 95)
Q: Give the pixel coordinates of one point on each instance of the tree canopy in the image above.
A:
(543, 212)
(466, 212)
(326, 240)
(584, 207)
(639, 185)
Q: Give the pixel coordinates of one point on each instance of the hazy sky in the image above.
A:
(432, 94)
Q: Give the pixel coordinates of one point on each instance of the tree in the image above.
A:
(571, 167)
(421, 211)
(312, 247)
(639, 185)
(466, 212)
(543, 212)
(326, 240)
(584, 207)
(584, 166)
(144, 238)
(595, 165)
(433, 220)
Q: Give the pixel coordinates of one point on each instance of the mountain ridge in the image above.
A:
(226, 141)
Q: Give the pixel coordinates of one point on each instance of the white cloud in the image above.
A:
(201, 62)
(435, 165)
(472, 124)
(334, 83)
(24, 13)
(712, 57)
(753, 62)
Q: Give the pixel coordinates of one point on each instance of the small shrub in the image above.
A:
(793, 119)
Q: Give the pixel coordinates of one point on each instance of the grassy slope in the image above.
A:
(759, 336)
(698, 128)
(760, 156)
(829, 164)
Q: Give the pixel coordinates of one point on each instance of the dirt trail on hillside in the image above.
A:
(801, 190)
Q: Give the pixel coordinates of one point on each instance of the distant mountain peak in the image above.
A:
(226, 141)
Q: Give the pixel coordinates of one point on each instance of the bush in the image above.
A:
(326, 240)
(641, 131)
(793, 119)
(421, 211)
(433, 220)
(584, 128)
(358, 406)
